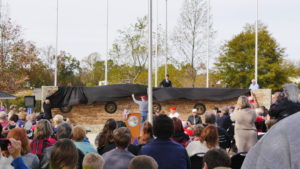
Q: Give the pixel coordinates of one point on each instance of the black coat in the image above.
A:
(47, 111)
(197, 119)
(164, 83)
(283, 108)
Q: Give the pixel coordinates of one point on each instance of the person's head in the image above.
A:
(92, 161)
(142, 162)
(167, 77)
(144, 98)
(163, 126)
(122, 137)
(32, 117)
(147, 128)
(47, 101)
(243, 103)
(173, 109)
(14, 118)
(177, 125)
(198, 130)
(58, 119)
(216, 109)
(22, 109)
(13, 107)
(210, 118)
(210, 136)
(216, 158)
(277, 96)
(253, 81)
(20, 134)
(107, 133)
(64, 130)
(78, 133)
(64, 155)
(194, 112)
(110, 125)
(22, 116)
(43, 129)
(291, 92)
(3, 116)
(231, 109)
(224, 110)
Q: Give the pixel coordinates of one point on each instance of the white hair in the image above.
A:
(292, 92)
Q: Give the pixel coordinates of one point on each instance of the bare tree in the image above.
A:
(190, 35)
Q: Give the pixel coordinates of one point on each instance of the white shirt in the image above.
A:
(196, 147)
(254, 86)
(176, 114)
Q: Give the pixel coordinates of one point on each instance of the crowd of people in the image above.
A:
(170, 142)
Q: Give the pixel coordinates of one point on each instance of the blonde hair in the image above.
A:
(43, 130)
(78, 133)
(243, 103)
(142, 162)
(58, 119)
(22, 116)
(92, 161)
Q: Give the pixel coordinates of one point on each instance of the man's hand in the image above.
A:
(14, 148)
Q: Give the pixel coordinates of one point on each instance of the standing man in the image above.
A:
(166, 82)
(253, 85)
(143, 106)
(47, 109)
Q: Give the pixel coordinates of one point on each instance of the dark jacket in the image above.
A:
(197, 119)
(224, 121)
(164, 83)
(168, 154)
(47, 111)
(283, 108)
(181, 138)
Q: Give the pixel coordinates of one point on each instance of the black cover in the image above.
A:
(209, 94)
(68, 96)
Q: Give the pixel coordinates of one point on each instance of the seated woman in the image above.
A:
(209, 140)
(197, 132)
(30, 160)
(105, 138)
(147, 135)
(78, 135)
(64, 155)
(179, 136)
(106, 142)
(41, 138)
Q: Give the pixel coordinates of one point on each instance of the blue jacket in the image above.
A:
(18, 163)
(168, 154)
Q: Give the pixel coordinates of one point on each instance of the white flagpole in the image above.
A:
(150, 99)
(56, 47)
(156, 51)
(256, 43)
(106, 57)
(166, 67)
(207, 61)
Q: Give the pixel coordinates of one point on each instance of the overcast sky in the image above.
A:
(82, 24)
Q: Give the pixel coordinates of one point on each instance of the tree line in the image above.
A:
(24, 65)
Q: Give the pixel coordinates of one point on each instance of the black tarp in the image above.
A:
(68, 96)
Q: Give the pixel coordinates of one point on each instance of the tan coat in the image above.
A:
(245, 130)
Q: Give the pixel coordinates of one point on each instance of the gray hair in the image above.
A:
(291, 90)
(64, 130)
